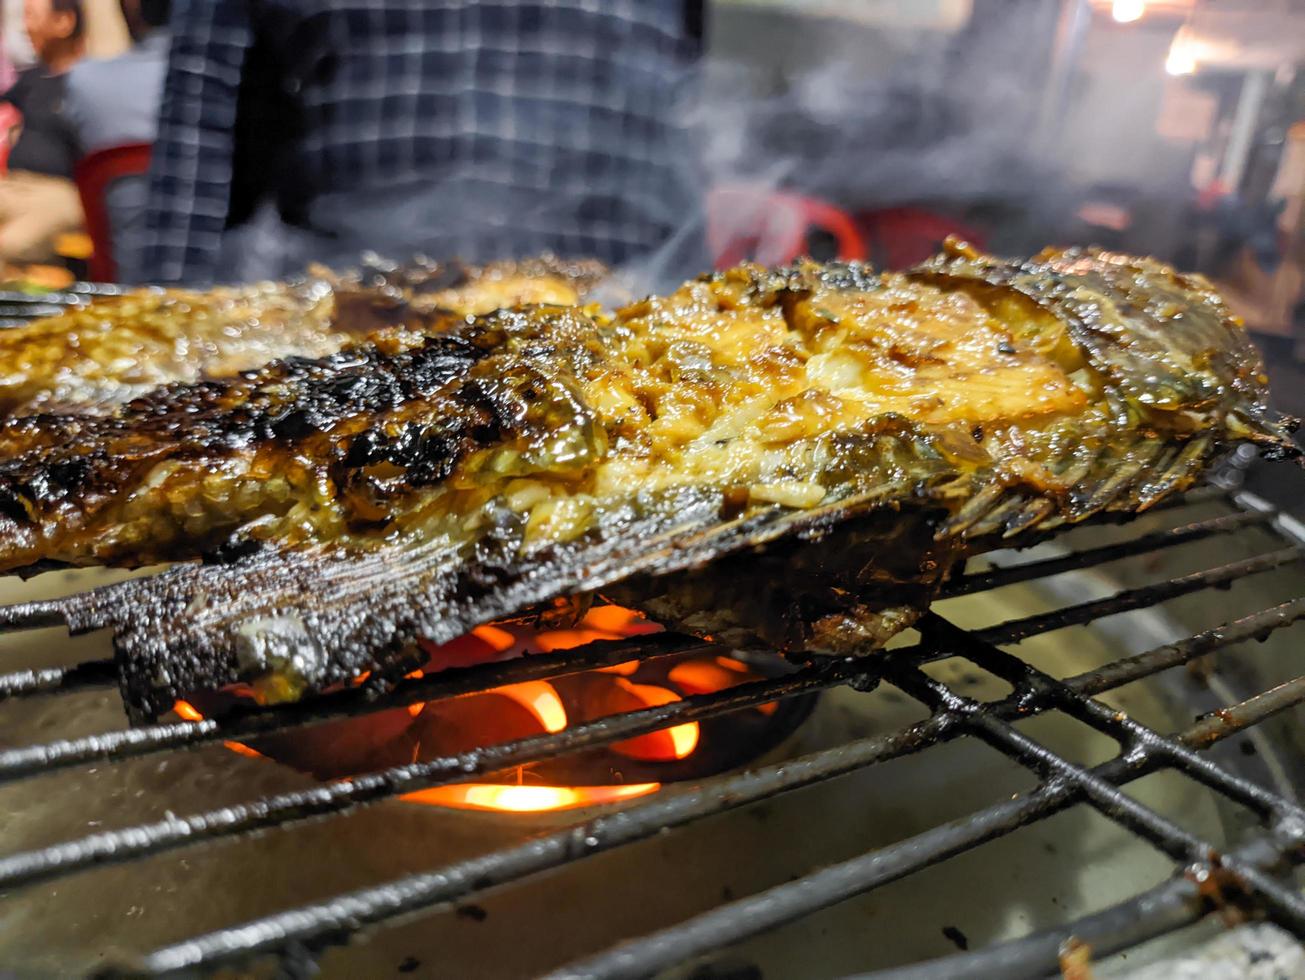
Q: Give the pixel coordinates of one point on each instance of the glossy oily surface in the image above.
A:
(95, 357)
(791, 458)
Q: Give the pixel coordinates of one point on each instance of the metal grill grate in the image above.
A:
(1255, 877)
(18, 308)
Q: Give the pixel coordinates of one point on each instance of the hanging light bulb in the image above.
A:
(1127, 11)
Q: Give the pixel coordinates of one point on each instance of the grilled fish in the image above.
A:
(792, 457)
(95, 357)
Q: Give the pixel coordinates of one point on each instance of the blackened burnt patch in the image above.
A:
(284, 405)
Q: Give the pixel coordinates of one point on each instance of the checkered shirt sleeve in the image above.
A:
(190, 173)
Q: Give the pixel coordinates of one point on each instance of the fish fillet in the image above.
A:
(95, 357)
(792, 458)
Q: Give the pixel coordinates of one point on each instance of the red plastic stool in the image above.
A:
(774, 227)
(899, 238)
(94, 174)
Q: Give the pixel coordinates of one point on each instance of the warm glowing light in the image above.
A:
(618, 619)
(1183, 52)
(186, 711)
(526, 799)
(703, 677)
(540, 699)
(451, 724)
(624, 669)
(685, 739)
(1127, 11)
(666, 745)
(499, 639)
(239, 748)
(484, 644)
(718, 674)
(1181, 60)
(567, 639)
(599, 623)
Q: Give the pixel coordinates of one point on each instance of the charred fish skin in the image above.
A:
(789, 457)
(91, 359)
(171, 475)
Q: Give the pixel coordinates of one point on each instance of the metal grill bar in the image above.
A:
(13, 313)
(776, 906)
(336, 797)
(15, 297)
(18, 308)
(1227, 721)
(667, 810)
(1027, 571)
(72, 295)
(145, 839)
(1165, 908)
(1031, 684)
(32, 615)
(317, 923)
(1140, 598)
(308, 929)
(58, 680)
(1254, 627)
(119, 745)
(249, 722)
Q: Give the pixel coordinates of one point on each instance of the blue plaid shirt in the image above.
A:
(450, 127)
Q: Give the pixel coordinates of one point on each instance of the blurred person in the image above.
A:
(107, 33)
(115, 101)
(311, 130)
(38, 200)
(18, 51)
(15, 54)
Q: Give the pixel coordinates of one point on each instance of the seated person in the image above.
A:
(38, 200)
(115, 101)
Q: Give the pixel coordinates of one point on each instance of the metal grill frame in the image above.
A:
(1254, 878)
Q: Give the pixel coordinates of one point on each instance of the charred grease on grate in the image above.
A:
(1166, 907)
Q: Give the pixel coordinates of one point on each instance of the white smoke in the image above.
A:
(972, 123)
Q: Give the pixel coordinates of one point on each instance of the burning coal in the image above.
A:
(624, 770)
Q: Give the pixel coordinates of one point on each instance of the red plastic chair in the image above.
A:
(774, 227)
(9, 118)
(899, 238)
(94, 174)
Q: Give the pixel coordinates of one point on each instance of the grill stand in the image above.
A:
(1253, 879)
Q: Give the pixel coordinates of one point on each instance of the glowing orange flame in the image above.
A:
(619, 695)
(718, 674)
(499, 639)
(187, 711)
(526, 799)
(625, 669)
(538, 707)
(540, 699)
